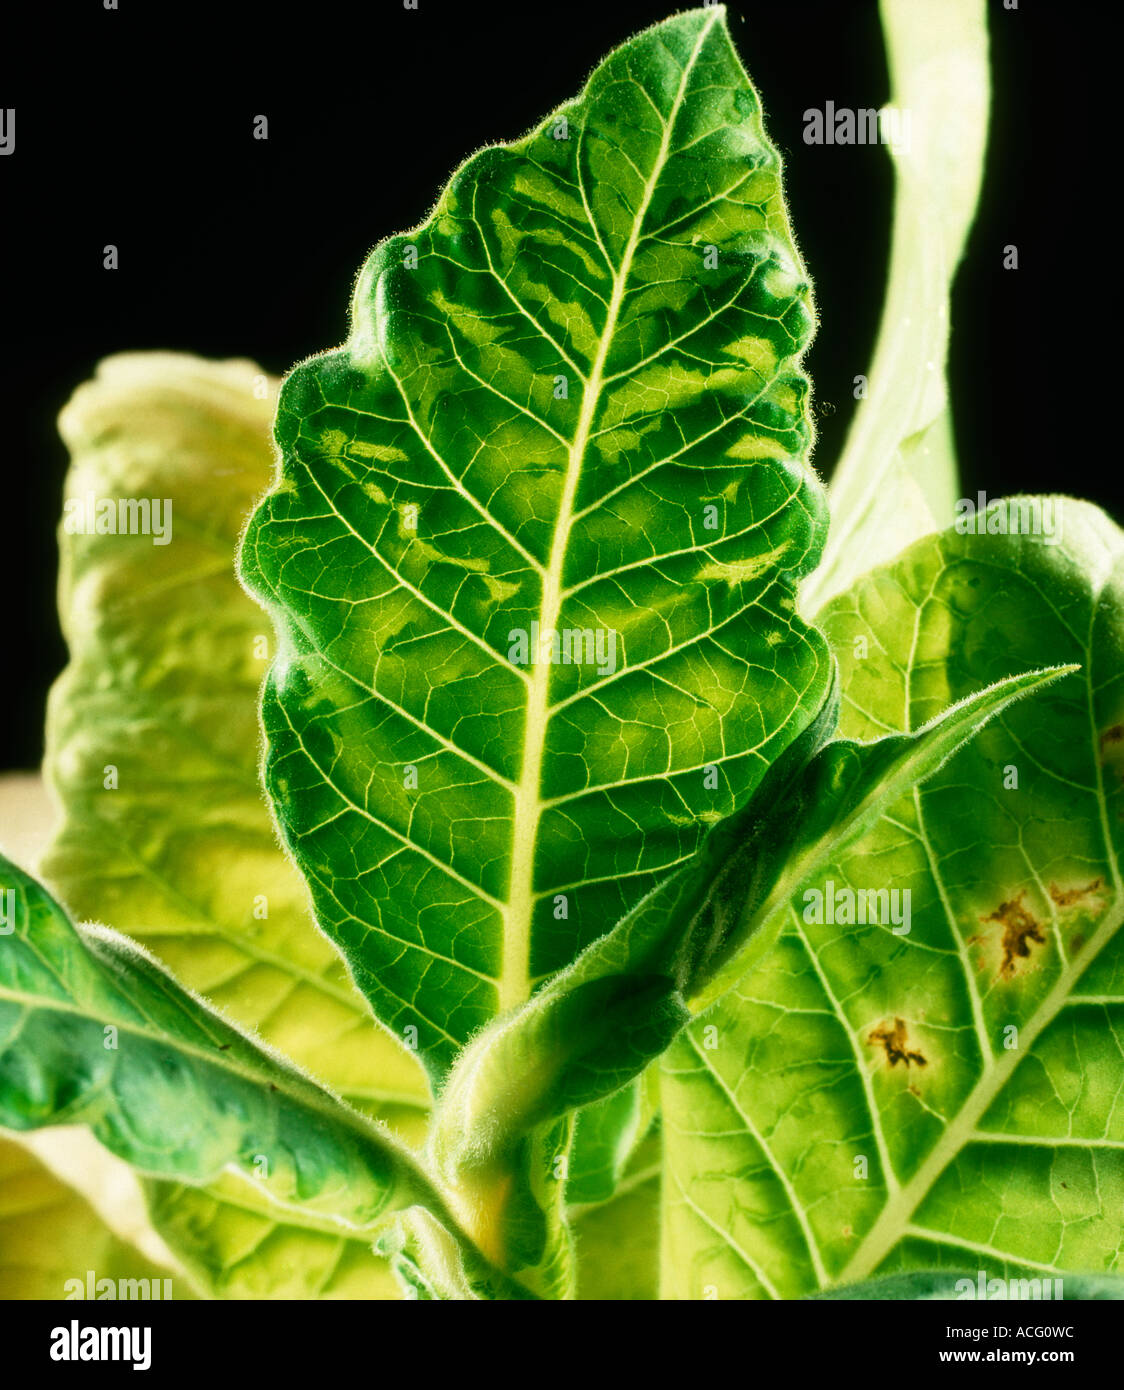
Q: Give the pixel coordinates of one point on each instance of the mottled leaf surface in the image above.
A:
(93, 1031)
(501, 1128)
(571, 399)
(238, 1244)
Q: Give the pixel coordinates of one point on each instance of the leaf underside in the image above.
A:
(167, 655)
(872, 1102)
(94, 1032)
(897, 477)
(166, 659)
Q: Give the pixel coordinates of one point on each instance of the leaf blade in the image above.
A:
(578, 1044)
(238, 1244)
(93, 1031)
(571, 822)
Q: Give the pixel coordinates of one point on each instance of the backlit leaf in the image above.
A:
(869, 1100)
(571, 406)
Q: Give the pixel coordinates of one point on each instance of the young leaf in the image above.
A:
(94, 1032)
(536, 537)
(607, 1136)
(49, 1234)
(430, 1263)
(152, 729)
(886, 1100)
(897, 477)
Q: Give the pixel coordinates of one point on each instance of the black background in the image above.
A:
(195, 1339)
(134, 127)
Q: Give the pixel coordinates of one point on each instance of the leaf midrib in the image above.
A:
(514, 985)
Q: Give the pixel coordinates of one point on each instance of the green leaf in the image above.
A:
(49, 1234)
(897, 477)
(571, 399)
(152, 730)
(837, 796)
(607, 1135)
(239, 1244)
(167, 655)
(495, 1134)
(968, 1068)
(598, 1023)
(500, 1137)
(94, 1032)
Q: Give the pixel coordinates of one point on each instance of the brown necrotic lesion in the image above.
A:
(1020, 931)
(1073, 897)
(893, 1038)
(1019, 928)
